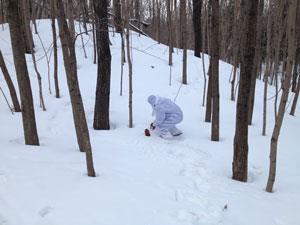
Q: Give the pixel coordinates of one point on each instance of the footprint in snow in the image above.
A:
(45, 211)
(3, 221)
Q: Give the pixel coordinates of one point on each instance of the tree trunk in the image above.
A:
(292, 6)
(25, 26)
(208, 97)
(240, 158)
(197, 6)
(170, 39)
(10, 84)
(101, 113)
(118, 16)
(55, 64)
(183, 39)
(236, 44)
(295, 100)
(28, 116)
(267, 71)
(69, 56)
(297, 57)
(256, 61)
(29, 36)
(214, 61)
(129, 4)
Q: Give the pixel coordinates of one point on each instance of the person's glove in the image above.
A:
(147, 133)
(152, 127)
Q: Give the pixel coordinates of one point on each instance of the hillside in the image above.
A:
(140, 180)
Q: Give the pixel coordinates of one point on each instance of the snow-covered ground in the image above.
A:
(140, 180)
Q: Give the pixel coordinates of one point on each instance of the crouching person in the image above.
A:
(167, 116)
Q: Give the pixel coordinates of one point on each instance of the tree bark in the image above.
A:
(214, 60)
(69, 56)
(130, 107)
(257, 62)
(240, 158)
(55, 64)
(292, 6)
(28, 116)
(101, 113)
(236, 44)
(197, 6)
(10, 84)
(170, 39)
(183, 40)
(208, 110)
(118, 16)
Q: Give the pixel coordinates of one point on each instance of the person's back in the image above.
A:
(168, 106)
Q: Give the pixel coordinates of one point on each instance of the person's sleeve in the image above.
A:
(160, 116)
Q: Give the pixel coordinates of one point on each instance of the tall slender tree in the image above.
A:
(197, 7)
(214, 61)
(240, 158)
(183, 28)
(10, 84)
(118, 16)
(69, 56)
(292, 6)
(55, 59)
(28, 115)
(101, 113)
(257, 60)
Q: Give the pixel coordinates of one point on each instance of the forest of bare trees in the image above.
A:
(259, 38)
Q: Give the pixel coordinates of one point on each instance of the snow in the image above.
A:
(140, 180)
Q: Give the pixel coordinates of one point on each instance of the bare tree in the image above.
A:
(183, 39)
(236, 43)
(10, 84)
(292, 7)
(127, 35)
(214, 61)
(118, 16)
(28, 116)
(197, 6)
(101, 113)
(257, 60)
(170, 39)
(29, 36)
(69, 56)
(240, 158)
(55, 64)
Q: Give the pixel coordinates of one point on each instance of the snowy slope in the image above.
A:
(140, 180)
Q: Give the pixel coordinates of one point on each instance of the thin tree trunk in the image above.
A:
(183, 39)
(292, 7)
(122, 62)
(39, 77)
(197, 6)
(215, 71)
(10, 84)
(170, 40)
(208, 97)
(69, 56)
(267, 72)
(118, 16)
(237, 40)
(295, 100)
(55, 64)
(256, 61)
(129, 4)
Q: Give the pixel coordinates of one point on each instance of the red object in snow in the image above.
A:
(147, 133)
